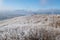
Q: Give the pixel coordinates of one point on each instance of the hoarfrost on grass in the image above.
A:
(34, 27)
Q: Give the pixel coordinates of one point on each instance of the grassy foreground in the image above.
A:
(35, 27)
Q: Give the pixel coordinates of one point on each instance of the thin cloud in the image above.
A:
(43, 2)
(1, 2)
(3, 7)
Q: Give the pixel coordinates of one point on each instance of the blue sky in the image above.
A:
(29, 4)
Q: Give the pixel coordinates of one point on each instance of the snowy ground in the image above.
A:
(35, 27)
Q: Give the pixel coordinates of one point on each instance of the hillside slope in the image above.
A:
(35, 27)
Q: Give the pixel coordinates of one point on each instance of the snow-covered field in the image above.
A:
(35, 27)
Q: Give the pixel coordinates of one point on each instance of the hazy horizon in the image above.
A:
(14, 8)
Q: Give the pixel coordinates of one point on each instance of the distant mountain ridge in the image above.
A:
(49, 11)
(16, 13)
